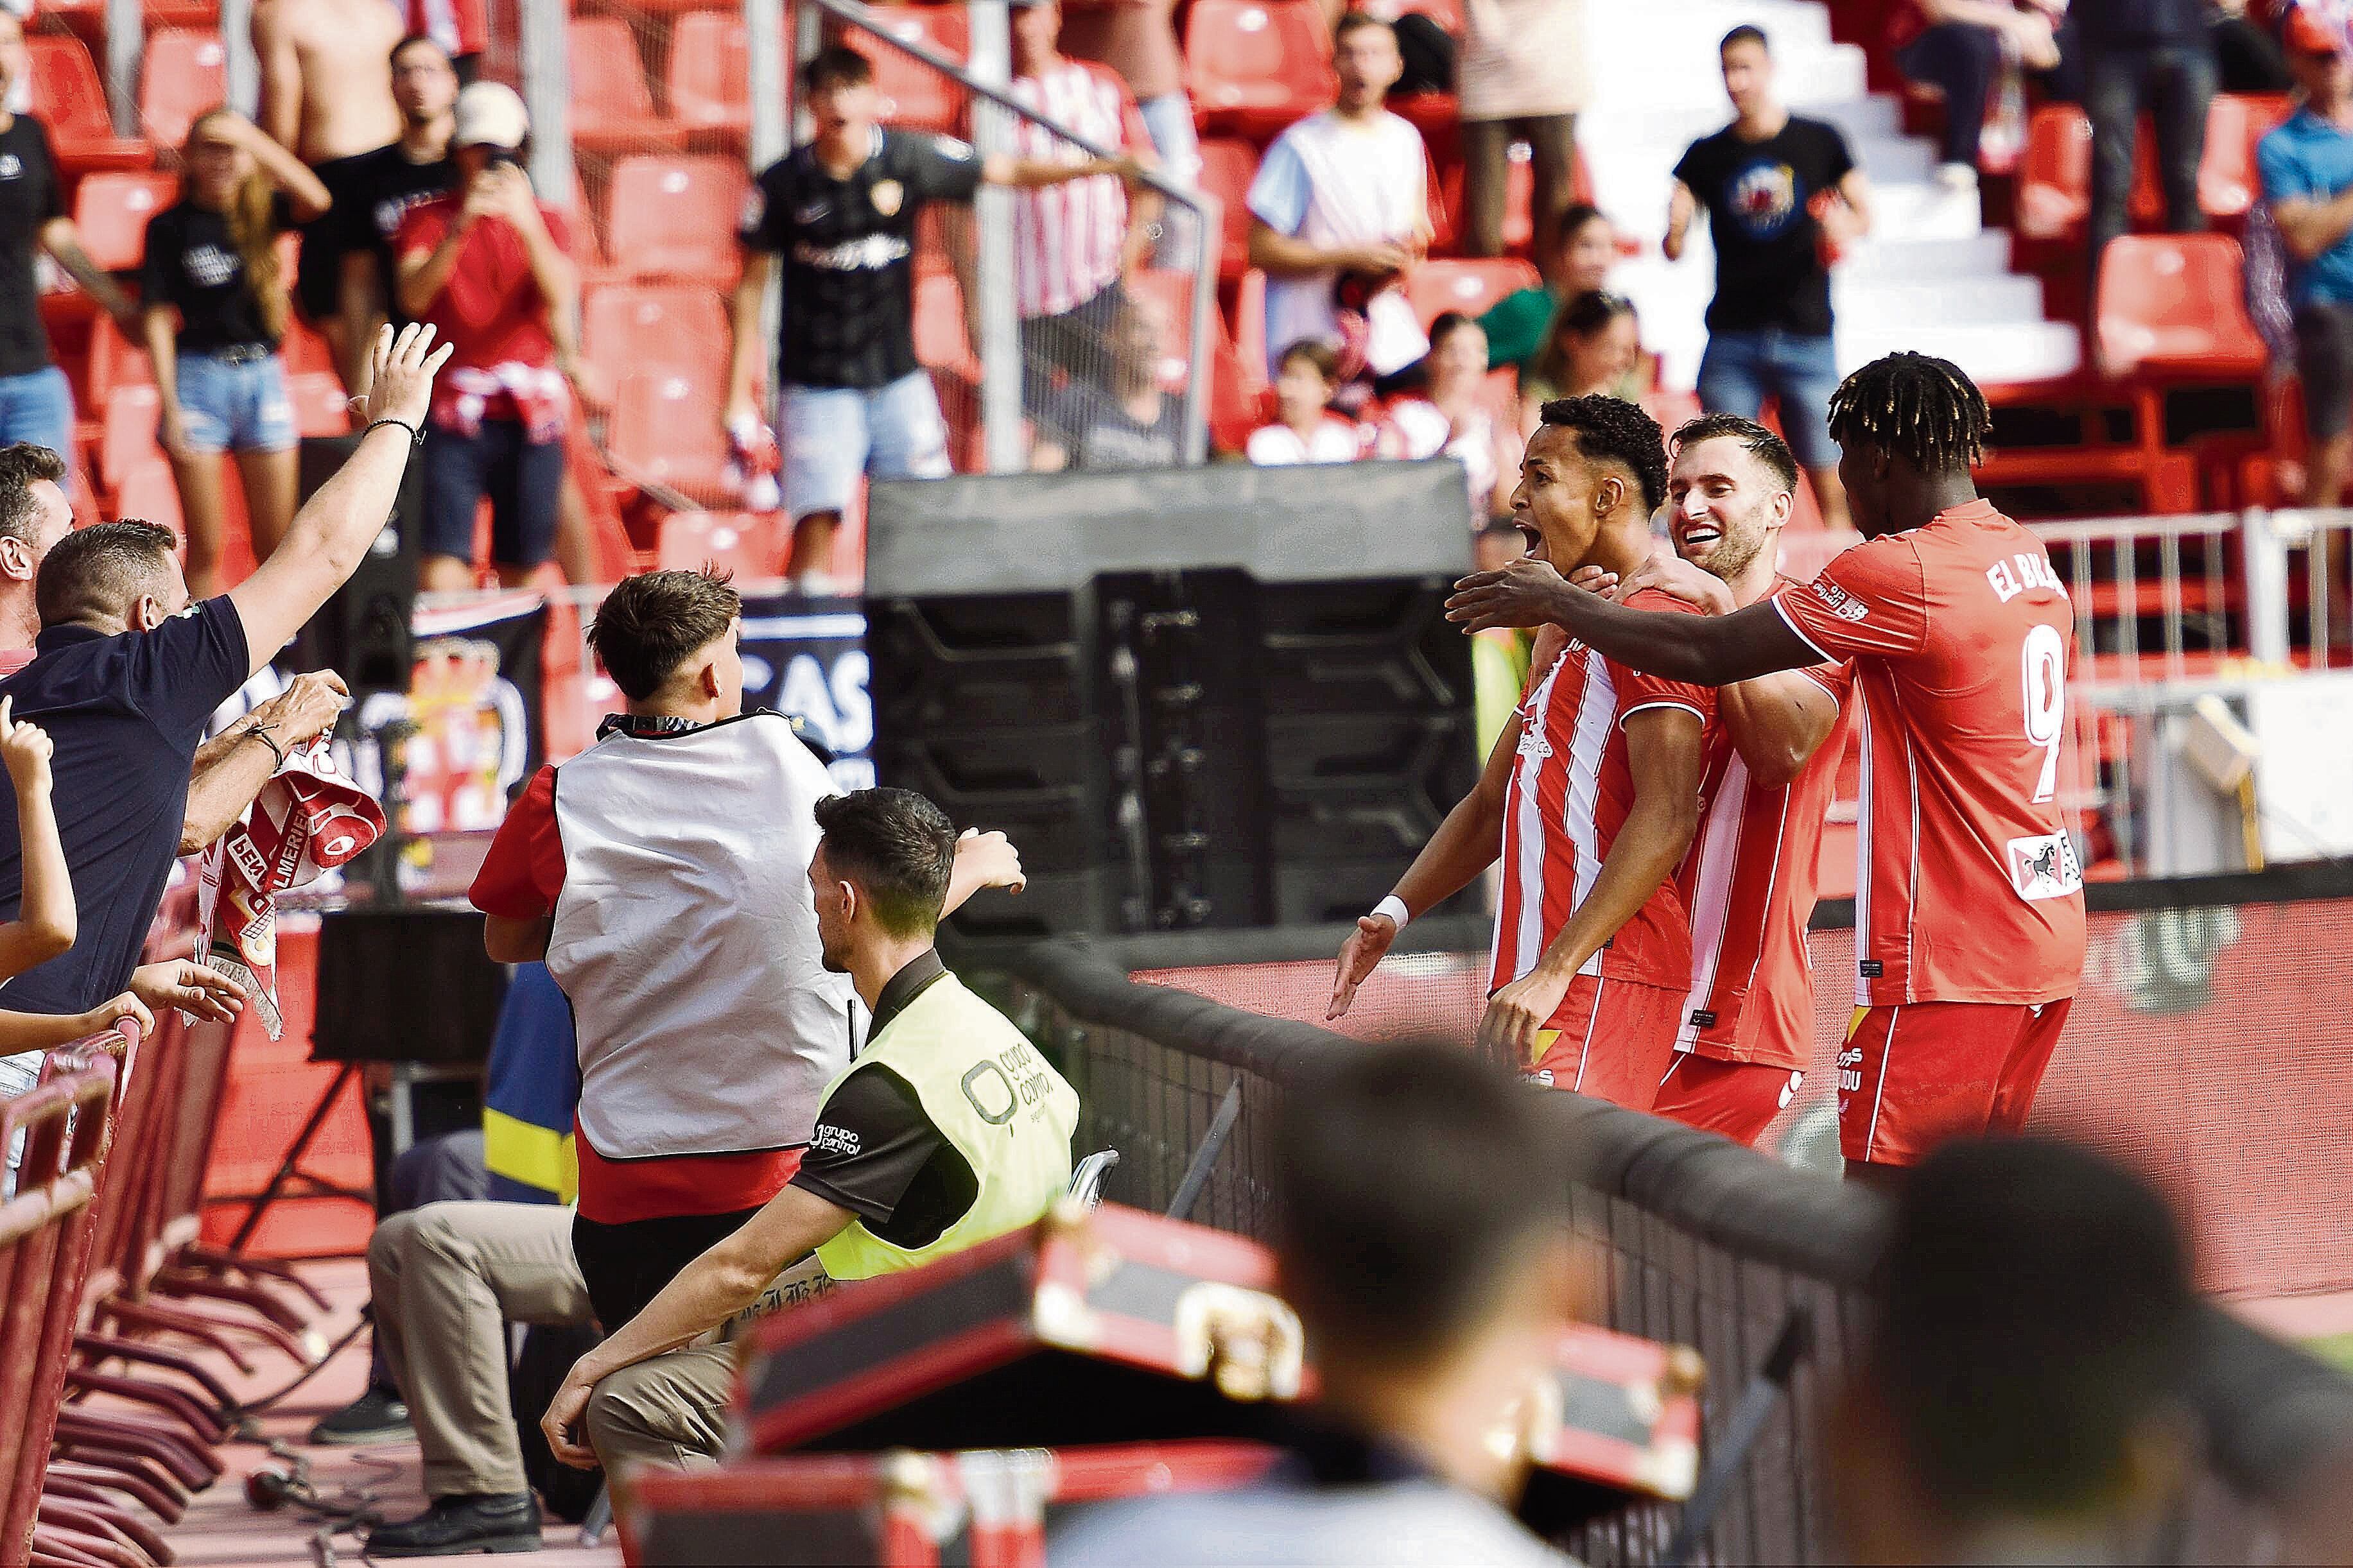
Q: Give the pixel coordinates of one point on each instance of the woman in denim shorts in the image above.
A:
(214, 308)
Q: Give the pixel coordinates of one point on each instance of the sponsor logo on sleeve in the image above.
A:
(1842, 605)
(828, 1139)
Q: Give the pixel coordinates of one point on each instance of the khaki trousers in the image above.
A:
(447, 1279)
(666, 1410)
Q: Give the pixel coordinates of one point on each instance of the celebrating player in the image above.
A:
(1969, 907)
(1749, 1023)
(1591, 796)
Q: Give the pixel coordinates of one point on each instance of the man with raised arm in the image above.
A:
(1969, 901)
(1591, 797)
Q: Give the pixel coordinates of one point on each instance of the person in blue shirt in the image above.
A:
(2306, 167)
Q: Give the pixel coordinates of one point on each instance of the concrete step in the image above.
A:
(1993, 354)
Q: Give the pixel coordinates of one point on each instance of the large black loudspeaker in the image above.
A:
(1212, 697)
(409, 984)
(363, 633)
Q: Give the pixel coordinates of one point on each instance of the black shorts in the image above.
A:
(523, 480)
(2323, 357)
(326, 239)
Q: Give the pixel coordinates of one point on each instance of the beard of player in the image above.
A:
(1579, 511)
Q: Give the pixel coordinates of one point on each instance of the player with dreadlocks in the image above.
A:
(1968, 902)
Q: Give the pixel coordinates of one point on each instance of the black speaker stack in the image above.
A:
(363, 634)
(1222, 697)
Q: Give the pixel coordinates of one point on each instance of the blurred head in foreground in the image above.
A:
(2025, 1396)
(1424, 1240)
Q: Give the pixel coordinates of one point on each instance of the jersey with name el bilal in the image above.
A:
(847, 247)
(1968, 887)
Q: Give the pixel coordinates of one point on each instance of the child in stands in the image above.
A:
(1305, 429)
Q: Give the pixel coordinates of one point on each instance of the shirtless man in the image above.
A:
(325, 93)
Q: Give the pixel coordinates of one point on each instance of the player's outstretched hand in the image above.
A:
(1526, 593)
(402, 368)
(1594, 580)
(1359, 957)
(989, 861)
(1515, 1016)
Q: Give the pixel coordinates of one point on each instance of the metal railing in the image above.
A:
(1701, 1242)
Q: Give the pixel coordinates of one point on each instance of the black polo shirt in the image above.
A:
(126, 713)
(849, 248)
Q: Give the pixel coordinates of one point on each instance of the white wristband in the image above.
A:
(1393, 907)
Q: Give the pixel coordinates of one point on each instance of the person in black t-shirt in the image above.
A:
(214, 309)
(840, 211)
(36, 403)
(383, 186)
(1783, 195)
(1138, 427)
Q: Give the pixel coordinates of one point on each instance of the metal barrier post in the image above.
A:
(243, 83)
(126, 35)
(547, 94)
(1000, 347)
(774, 86)
(2265, 554)
(1207, 225)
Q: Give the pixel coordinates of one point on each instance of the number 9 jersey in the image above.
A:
(1968, 887)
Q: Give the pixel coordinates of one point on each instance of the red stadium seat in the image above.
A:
(320, 406)
(127, 438)
(71, 97)
(182, 73)
(1249, 321)
(710, 84)
(744, 542)
(2172, 308)
(114, 361)
(1258, 65)
(1519, 203)
(148, 494)
(914, 94)
(676, 217)
(612, 108)
(2054, 174)
(1446, 13)
(1470, 287)
(1228, 166)
(941, 341)
(111, 210)
(2227, 182)
(637, 329)
(665, 428)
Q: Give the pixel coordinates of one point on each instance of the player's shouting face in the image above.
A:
(1723, 505)
(1562, 498)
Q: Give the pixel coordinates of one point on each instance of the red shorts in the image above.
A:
(1738, 1100)
(1611, 1039)
(1912, 1075)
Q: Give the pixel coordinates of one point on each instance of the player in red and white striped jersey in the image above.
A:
(1592, 798)
(1969, 905)
(1748, 1022)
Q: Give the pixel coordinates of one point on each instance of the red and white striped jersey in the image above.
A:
(1968, 887)
(1749, 883)
(1570, 790)
(1067, 237)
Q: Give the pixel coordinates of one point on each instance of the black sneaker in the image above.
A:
(476, 1521)
(376, 1417)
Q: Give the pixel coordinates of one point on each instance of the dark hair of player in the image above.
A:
(898, 848)
(1612, 430)
(1745, 33)
(1914, 406)
(1758, 441)
(836, 65)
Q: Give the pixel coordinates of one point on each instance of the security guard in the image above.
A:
(948, 1128)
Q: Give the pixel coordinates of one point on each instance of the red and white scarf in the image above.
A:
(308, 819)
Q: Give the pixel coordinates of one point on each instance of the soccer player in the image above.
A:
(1969, 906)
(1591, 797)
(1748, 1022)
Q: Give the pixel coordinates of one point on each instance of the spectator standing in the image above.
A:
(1137, 38)
(1424, 1239)
(2305, 165)
(35, 402)
(1779, 190)
(213, 310)
(1138, 425)
(490, 265)
(1593, 347)
(1961, 48)
(388, 184)
(2152, 57)
(1074, 244)
(1340, 205)
(1306, 428)
(1522, 78)
(323, 94)
(2025, 1394)
(1451, 417)
(1578, 264)
(840, 210)
(126, 674)
(34, 515)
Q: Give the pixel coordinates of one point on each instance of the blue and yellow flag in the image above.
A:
(533, 1087)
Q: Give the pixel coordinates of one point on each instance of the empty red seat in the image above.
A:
(111, 210)
(633, 326)
(147, 494)
(2172, 307)
(676, 217)
(1468, 285)
(709, 83)
(1519, 203)
(914, 94)
(2228, 183)
(612, 106)
(1228, 167)
(665, 428)
(2054, 174)
(114, 361)
(940, 339)
(127, 435)
(1258, 65)
(182, 73)
(70, 98)
(744, 542)
(321, 407)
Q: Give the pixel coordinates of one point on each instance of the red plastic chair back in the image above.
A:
(111, 210)
(676, 217)
(1470, 287)
(2055, 173)
(127, 432)
(644, 328)
(744, 542)
(710, 81)
(2228, 183)
(666, 428)
(1258, 65)
(1228, 166)
(2174, 305)
(184, 73)
(914, 94)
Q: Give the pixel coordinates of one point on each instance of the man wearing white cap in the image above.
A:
(490, 266)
